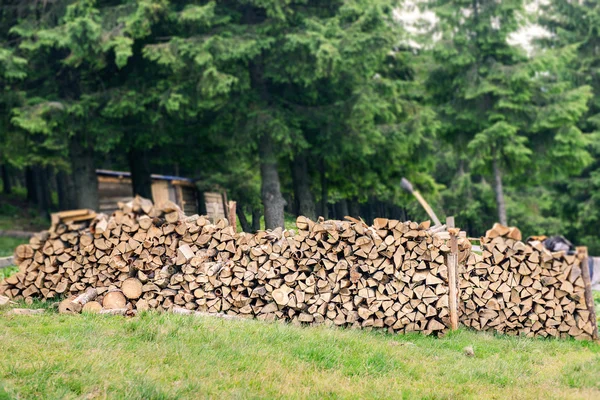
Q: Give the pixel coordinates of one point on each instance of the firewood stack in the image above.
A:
(523, 289)
(390, 275)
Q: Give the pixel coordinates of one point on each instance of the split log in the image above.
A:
(392, 275)
(132, 288)
(75, 305)
(114, 300)
(92, 307)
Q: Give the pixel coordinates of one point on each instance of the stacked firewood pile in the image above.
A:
(390, 275)
(522, 288)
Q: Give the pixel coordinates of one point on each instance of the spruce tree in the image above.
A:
(511, 116)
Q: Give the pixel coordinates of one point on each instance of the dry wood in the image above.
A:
(132, 288)
(92, 307)
(114, 300)
(75, 305)
(4, 301)
(523, 289)
(393, 275)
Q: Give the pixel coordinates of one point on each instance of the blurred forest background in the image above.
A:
(311, 107)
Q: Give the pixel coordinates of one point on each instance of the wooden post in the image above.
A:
(452, 284)
(225, 205)
(582, 255)
(232, 215)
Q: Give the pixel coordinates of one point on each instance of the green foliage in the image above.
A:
(506, 115)
(197, 84)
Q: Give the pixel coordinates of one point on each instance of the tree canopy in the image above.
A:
(310, 107)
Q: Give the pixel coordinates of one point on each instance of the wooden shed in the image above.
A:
(115, 186)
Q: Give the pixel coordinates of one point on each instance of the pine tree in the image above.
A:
(299, 80)
(574, 26)
(499, 108)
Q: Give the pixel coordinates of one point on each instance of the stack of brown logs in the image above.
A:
(390, 275)
(521, 288)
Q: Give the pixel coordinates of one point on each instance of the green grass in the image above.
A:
(164, 356)
(8, 245)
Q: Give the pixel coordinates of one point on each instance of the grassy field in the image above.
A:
(164, 356)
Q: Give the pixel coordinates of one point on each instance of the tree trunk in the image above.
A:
(6, 184)
(47, 180)
(370, 214)
(84, 175)
(341, 209)
(500, 202)
(256, 214)
(302, 194)
(272, 199)
(30, 185)
(243, 220)
(41, 188)
(354, 208)
(324, 190)
(139, 165)
(66, 191)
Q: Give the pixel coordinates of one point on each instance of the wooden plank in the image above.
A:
(214, 206)
(112, 179)
(73, 213)
(160, 191)
(582, 255)
(183, 183)
(179, 196)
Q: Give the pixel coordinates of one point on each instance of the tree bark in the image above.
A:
(341, 209)
(324, 189)
(66, 191)
(272, 199)
(41, 191)
(302, 194)
(47, 180)
(243, 220)
(500, 202)
(354, 208)
(30, 185)
(141, 180)
(256, 214)
(6, 184)
(84, 175)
